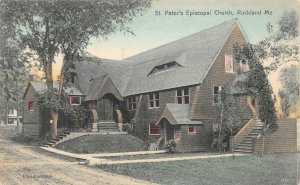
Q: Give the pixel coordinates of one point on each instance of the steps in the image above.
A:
(57, 139)
(246, 145)
(108, 126)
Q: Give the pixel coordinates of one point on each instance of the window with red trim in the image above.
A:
(154, 129)
(74, 100)
(191, 130)
(30, 106)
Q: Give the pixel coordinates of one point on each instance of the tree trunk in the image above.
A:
(54, 114)
(53, 129)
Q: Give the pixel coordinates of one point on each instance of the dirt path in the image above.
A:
(20, 165)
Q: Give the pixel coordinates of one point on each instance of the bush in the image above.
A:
(170, 146)
(153, 147)
(220, 145)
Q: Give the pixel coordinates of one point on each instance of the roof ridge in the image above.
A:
(202, 31)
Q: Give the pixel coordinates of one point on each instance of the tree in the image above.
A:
(280, 47)
(230, 119)
(257, 83)
(289, 93)
(13, 73)
(46, 28)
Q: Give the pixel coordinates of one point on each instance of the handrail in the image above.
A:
(242, 129)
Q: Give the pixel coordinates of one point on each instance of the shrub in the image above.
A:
(153, 147)
(170, 146)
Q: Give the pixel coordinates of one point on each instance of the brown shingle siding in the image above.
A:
(216, 77)
(284, 139)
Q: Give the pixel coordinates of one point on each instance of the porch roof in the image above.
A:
(177, 114)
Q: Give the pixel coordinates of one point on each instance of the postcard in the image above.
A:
(149, 92)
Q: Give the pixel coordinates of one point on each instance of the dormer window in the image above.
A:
(165, 67)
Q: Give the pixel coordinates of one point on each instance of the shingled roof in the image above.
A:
(177, 114)
(195, 54)
(41, 87)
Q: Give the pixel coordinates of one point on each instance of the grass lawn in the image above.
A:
(272, 169)
(102, 144)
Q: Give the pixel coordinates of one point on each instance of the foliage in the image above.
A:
(230, 119)
(153, 147)
(43, 29)
(282, 45)
(289, 93)
(257, 84)
(220, 143)
(77, 115)
(170, 146)
(46, 28)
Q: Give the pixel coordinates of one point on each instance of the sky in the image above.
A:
(152, 30)
(156, 28)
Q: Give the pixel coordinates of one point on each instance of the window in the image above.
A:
(191, 130)
(30, 106)
(164, 67)
(154, 129)
(154, 100)
(244, 67)
(216, 94)
(131, 103)
(228, 64)
(74, 100)
(182, 96)
(72, 77)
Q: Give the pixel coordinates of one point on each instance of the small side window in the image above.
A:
(154, 129)
(74, 100)
(191, 130)
(30, 105)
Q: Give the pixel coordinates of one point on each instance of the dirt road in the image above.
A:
(20, 165)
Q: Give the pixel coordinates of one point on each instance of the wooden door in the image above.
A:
(105, 108)
(169, 131)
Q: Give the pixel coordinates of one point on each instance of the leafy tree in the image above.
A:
(13, 73)
(230, 119)
(280, 47)
(257, 84)
(46, 28)
(289, 93)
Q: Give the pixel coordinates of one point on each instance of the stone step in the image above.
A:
(60, 137)
(52, 141)
(244, 148)
(245, 145)
(255, 131)
(242, 151)
(55, 139)
(247, 141)
(109, 130)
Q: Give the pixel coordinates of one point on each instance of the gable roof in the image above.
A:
(93, 68)
(195, 53)
(101, 86)
(41, 87)
(177, 114)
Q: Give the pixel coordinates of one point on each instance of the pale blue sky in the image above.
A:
(152, 31)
